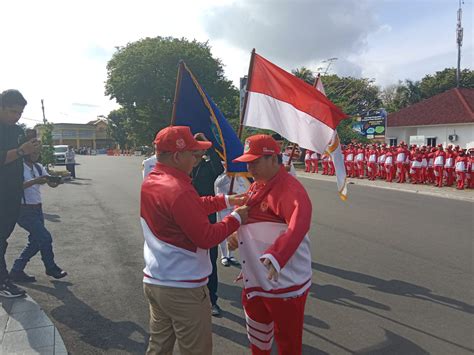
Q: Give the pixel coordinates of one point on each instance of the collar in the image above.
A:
(169, 170)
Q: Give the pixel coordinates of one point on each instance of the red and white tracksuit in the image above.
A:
(470, 173)
(332, 170)
(430, 171)
(278, 223)
(424, 168)
(307, 161)
(416, 168)
(372, 164)
(325, 164)
(349, 162)
(460, 166)
(401, 155)
(439, 158)
(360, 161)
(381, 164)
(315, 162)
(389, 166)
(449, 167)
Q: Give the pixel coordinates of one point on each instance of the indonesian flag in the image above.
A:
(334, 150)
(279, 101)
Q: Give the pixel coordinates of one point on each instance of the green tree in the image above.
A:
(445, 80)
(47, 149)
(141, 77)
(117, 125)
(304, 74)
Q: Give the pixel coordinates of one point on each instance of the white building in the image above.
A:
(446, 118)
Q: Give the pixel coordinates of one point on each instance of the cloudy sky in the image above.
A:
(58, 50)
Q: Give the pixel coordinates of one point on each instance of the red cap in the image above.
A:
(257, 146)
(178, 139)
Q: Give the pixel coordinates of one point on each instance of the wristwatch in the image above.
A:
(20, 152)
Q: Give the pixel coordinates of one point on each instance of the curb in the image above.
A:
(25, 329)
(419, 189)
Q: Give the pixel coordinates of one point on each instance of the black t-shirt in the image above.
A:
(204, 176)
(11, 174)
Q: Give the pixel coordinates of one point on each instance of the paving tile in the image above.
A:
(6, 304)
(59, 347)
(49, 350)
(3, 325)
(27, 320)
(24, 305)
(25, 340)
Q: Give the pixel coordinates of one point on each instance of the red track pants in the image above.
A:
(281, 318)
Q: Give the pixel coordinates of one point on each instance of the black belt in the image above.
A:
(37, 205)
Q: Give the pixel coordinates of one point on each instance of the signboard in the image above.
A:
(372, 125)
(418, 140)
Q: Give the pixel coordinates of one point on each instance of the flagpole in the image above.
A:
(249, 81)
(315, 85)
(177, 89)
(242, 114)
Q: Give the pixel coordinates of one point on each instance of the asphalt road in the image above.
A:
(393, 271)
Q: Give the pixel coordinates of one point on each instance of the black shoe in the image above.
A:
(215, 310)
(21, 276)
(10, 290)
(56, 273)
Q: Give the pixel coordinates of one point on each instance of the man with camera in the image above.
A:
(32, 220)
(12, 151)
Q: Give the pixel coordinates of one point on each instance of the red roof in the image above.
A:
(452, 106)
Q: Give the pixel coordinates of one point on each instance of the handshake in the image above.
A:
(242, 209)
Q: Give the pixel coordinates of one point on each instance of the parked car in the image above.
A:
(60, 154)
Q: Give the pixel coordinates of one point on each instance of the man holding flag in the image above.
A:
(275, 252)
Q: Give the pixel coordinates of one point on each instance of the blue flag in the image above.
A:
(195, 109)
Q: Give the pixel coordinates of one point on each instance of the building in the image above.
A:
(93, 134)
(446, 118)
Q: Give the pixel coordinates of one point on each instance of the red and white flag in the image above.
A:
(279, 101)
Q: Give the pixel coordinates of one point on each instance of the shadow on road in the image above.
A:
(52, 217)
(395, 287)
(393, 344)
(94, 329)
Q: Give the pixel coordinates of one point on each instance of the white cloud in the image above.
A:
(58, 50)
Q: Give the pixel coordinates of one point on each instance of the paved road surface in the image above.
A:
(392, 271)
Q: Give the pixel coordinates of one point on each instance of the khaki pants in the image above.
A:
(179, 313)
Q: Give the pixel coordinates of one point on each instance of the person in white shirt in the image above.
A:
(222, 186)
(71, 161)
(32, 220)
(148, 165)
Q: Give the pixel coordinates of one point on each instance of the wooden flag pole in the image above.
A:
(176, 92)
(244, 108)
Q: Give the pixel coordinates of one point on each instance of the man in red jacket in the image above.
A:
(372, 162)
(461, 167)
(275, 251)
(178, 236)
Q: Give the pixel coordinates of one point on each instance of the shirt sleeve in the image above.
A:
(213, 204)
(295, 207)
(190, 213)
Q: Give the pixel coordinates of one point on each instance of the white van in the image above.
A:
(60, 154)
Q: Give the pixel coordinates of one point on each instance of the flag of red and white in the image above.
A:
(279, 101)
(335, 152)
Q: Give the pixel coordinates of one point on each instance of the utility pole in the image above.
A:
(459, 34)
(329, 62)
(42, 108)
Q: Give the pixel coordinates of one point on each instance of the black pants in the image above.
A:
(213, 281)
(72, 169)
(9, 211)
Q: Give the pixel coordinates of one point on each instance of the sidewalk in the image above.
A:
(444, 192)
(26, 329)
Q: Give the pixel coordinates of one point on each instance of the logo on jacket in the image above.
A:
(180, 143)
(264, 206)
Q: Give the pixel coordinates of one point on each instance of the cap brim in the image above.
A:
(246, 158)
(198, 145)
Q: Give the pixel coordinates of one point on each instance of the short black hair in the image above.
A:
(277, 137)
(12, 97)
